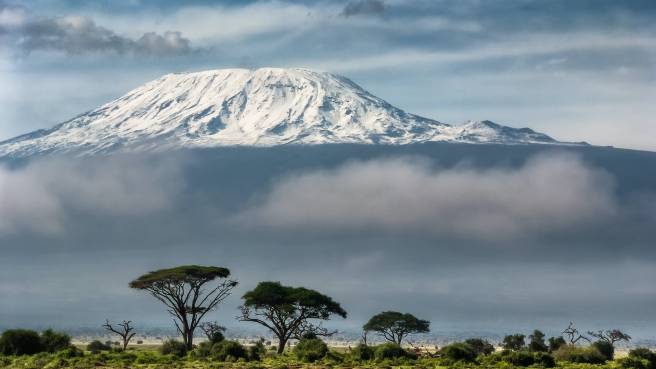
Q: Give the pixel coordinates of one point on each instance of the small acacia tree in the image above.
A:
(611, 336)
(288, 311)
(187, 293)
(394, 326)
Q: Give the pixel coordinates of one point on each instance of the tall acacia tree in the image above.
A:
(288, 311)
(394, 326)
(187, 293)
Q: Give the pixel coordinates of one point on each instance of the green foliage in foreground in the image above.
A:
(310, 350)
(28, 342)
(230, 354)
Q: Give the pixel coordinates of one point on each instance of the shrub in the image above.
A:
(257, 351)
(480, 346)
(513, 342)
(544, 359)
(173, 347)
(228, 351)
(631, 362)
(537, 342)
(362, 352)
(97, 346)
(52, 341)
(639, 358)
(70, 352)
(20, 342)
(389, 351)
(310, 350)
(576, 354)
(519, 358)
(555, 343)
(605, 348)
(523, 358)
(458, 352)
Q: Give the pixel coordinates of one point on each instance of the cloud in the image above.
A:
(46, 195)
(548, 194)
(363, 7)
(81, 35)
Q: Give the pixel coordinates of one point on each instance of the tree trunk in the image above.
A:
(281, 345)
(189, 339)
(125, 344)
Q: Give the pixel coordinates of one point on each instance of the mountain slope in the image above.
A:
(240, 107)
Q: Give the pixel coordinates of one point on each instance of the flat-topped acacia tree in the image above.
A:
(394, 326)
(187, 293)
(287, 311)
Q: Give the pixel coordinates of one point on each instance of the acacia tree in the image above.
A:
(394, 326)
(288, 311)
(187, 293)
(124, 330)
(611, 336)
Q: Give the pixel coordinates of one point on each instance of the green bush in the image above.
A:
(543, 359)
(514, 342)
(555, 343)
(228, 351)
(173, 347)
(639, 358)
(519, 358)
(20, 342)
(458, 351)
(631, 362)
(70, 352)
(310, 349)
(97, 346)
(257, 351)
(389, 351)
(362, 352)
(605, 348)
(577, 354)
(480, 346)
(52, 341)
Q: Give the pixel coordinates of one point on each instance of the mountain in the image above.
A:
(241, 107)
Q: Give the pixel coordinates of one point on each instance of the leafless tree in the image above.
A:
(611, 336)
(122, 329)
(573, 335)
(363, 337)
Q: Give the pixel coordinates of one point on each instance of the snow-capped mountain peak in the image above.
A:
(263, 107)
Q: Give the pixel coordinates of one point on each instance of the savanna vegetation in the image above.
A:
(294, 316)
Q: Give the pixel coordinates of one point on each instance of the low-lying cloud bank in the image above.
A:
(551, 237)
(557, 193)
(51, 196)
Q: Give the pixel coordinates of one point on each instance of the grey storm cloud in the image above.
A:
(81, 35)
(548, 194)
(363, 7)
(46, 196)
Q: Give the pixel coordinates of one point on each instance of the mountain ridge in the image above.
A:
(242, 107)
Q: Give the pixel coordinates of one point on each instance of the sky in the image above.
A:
(474, 238)
(579, 71)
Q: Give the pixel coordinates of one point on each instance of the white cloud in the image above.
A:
(39, 196)
(555, 193)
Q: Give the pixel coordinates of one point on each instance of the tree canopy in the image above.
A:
(287, 311)
(185, 292)
(394, 326)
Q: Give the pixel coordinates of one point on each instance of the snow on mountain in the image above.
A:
(263, 107)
